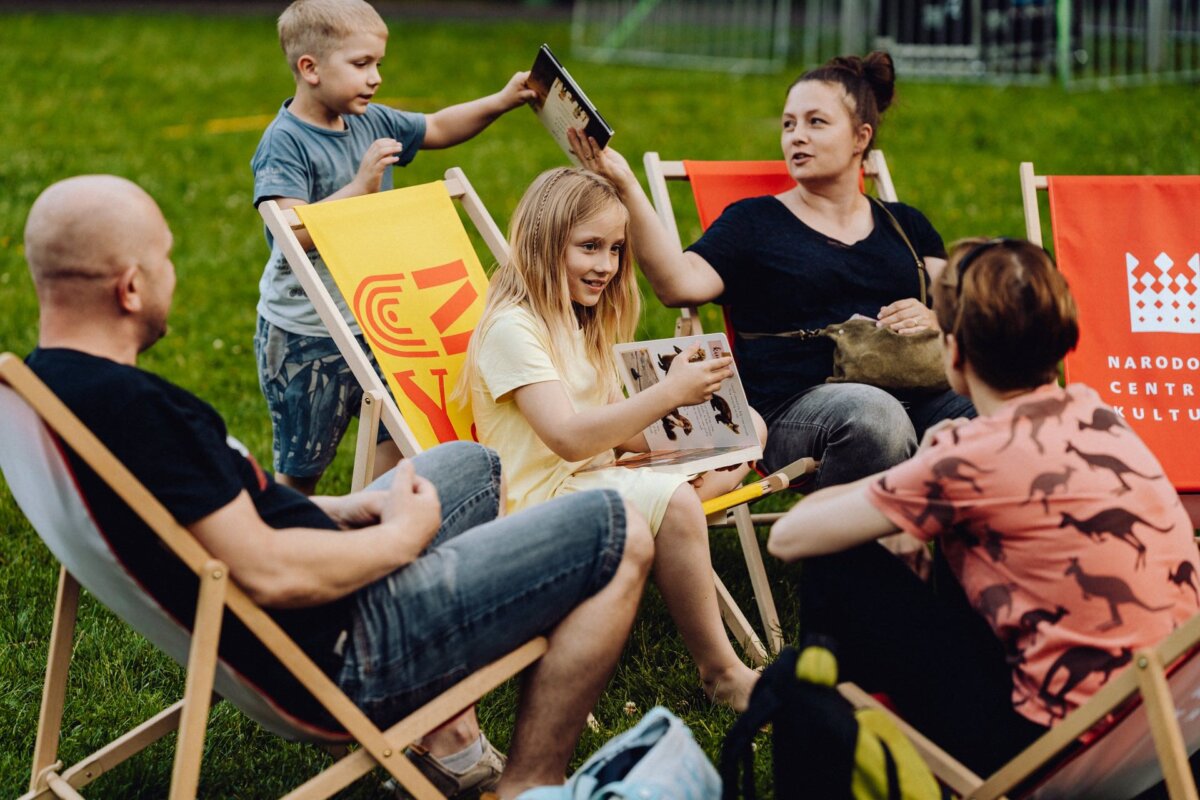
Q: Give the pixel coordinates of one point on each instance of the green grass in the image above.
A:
(136, 96)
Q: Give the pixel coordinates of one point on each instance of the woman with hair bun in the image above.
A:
(812, 256)
(1066, 548)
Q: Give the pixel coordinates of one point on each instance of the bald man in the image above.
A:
(396, 592)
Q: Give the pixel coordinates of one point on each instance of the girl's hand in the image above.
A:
(603, 161)
(692, 382)
(379, 156)
(907, 316)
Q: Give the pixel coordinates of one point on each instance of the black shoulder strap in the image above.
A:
(737, 753)
(923, 276)
(766, 700)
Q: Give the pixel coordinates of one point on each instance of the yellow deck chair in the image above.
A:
(730, 181)
(1128, 246)
(35, 427)
(417, 290)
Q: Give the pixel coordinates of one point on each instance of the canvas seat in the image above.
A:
(423, 270)
(36, 430)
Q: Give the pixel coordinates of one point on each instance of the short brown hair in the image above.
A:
(317, 27)
(1010, 310)
(869, 83)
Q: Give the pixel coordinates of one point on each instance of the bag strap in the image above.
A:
(922, 279)
(922, 273)
(893, 774)
(737, 754)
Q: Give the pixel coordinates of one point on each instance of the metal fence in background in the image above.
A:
(1086, 43)
(734, 36)
(1078, 42)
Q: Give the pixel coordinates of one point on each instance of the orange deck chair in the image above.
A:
(715, 185)
(1130, 247)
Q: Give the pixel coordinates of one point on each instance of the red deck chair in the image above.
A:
(1130, 247)
(715, 185)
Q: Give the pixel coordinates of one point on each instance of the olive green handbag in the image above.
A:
(866, 353)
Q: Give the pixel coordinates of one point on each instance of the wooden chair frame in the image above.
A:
(380, 407)
(728, 512)
(1031, 184)
(190, 715)
(1144, 681)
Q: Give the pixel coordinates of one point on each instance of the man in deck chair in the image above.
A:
(395, 593)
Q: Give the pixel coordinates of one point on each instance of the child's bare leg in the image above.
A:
(306, 485)
(387, 455)
(683, 573)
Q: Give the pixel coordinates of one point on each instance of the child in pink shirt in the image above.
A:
(1063, 546)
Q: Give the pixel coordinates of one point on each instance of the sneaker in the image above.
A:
(483, 777)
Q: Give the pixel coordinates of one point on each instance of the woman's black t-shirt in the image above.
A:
(781, 275)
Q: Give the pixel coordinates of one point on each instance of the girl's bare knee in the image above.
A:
(685, 514)
(639, 541)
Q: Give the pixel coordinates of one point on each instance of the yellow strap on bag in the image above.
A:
(870, 780)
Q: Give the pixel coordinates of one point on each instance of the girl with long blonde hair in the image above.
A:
(544, 389)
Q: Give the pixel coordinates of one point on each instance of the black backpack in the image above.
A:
(821, 747)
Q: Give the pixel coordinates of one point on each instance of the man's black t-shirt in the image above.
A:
(177, 446)
(781, 275)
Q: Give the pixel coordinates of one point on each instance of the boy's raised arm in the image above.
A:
(455, 124)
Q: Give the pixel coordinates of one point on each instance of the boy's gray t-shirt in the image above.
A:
(296, 159)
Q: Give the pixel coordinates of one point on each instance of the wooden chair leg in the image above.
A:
(420, 722)
(364, 448)
(1164, 727)
(54, 689)
(752, 552)
(121, 749)
(201, 672)
(738, 625)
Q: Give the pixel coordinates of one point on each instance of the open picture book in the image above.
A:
(560, 103)
(691, 439)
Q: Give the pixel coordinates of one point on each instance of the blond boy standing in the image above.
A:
(330, 141)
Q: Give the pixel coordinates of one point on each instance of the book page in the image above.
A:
(722, 423)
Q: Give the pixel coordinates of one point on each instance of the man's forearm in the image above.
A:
(308, 567)
(295, 567)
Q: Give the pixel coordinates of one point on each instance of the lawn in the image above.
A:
(177, 102)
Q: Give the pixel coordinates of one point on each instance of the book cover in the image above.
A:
(560, 103)
(691, 439)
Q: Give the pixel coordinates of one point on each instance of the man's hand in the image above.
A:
(515, 93)
(692, 381)
(379, 156)
(352, 511)
(412, 507)
(907, 316)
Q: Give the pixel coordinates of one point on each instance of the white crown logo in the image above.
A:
(1164, 296)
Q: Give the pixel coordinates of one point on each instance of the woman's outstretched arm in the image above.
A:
(678, 278)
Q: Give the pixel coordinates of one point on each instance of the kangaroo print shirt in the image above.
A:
(1064, 533)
